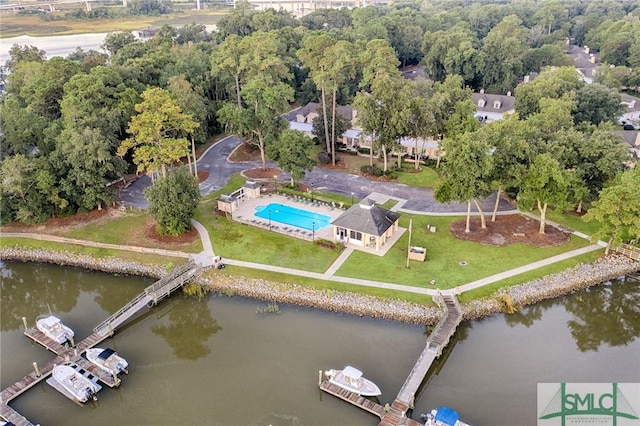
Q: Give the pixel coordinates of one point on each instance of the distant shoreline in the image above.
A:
(556, 285)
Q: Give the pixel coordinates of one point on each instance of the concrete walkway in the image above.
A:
(329, 274)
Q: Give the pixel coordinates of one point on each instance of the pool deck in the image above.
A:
(245, 213)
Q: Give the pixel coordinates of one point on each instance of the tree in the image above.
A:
(19, 53)
(384, 113)
(259, 122)
(618, 210)
(23, 129)
(190, 102)
(545, 183)
(466, 173)
(291, 151)
(509, 151)
(501, 58)
(451, 52)
(341, 125)
(173, 200)
(596, 103)
(158, 132)
(311, 54)
(85, 160)
(552, 83)
(115, 41)
(29, 189)
(552, 14)
(340, 62)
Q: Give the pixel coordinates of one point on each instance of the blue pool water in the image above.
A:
(293, 216)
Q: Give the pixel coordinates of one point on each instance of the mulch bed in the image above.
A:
(261, 174)
(184, 239)
(509, 229)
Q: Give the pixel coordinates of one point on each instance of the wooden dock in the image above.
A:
(352, 398)
(396, 413)
(149, 297)
(40, 338)
(64, 355)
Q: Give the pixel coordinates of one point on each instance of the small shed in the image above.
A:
(417, 253)
(365, 224)
(228, 203)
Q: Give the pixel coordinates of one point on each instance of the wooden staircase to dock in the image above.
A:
(437, 340)
(150, 296)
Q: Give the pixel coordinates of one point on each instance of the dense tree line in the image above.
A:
(74, 126)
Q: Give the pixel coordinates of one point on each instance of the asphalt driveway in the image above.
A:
(216, 162)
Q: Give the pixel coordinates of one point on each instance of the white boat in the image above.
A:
(108, 360)
(443, 416)
(75, 385)
(54, 329)
(351, 379)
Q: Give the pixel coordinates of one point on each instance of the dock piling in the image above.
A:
(319, 377)
(73, 344)
(24, 321)
(36, 369)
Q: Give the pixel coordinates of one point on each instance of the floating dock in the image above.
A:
(395, 414)
(65, 355)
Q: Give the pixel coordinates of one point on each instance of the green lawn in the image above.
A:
(98, 253)
(426, 177)
(129, 230)
(573, 221)
(243, 242)
(444, 252)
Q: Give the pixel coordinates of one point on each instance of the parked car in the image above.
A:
(628, 127)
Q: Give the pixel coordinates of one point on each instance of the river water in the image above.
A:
(218, 362)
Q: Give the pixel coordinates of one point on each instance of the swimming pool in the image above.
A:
(293, 216)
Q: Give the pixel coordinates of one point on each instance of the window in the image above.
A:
(497, 104)
(355, 235)
(481, 103)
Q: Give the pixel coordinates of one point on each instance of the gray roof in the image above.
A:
(344, 110)
(582, 59)
(251, 184)
(367, 218)
(631, 103)
(505, 103)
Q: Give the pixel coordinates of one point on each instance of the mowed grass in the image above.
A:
(554, 268)
(98, 253)
(444, 254)
(573, 221)
(322, 285)
(243, 242)
(127, 230)
(426, 177)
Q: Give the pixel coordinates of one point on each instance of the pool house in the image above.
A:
(367, 225)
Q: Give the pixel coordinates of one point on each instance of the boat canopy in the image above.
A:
(354, 373)
(447, 416)
(106, 354)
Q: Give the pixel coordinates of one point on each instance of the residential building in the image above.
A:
(491, 107)
(586, 63)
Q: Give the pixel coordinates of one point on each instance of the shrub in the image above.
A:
(333, 245)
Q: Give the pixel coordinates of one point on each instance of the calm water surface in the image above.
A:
(218, 362)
